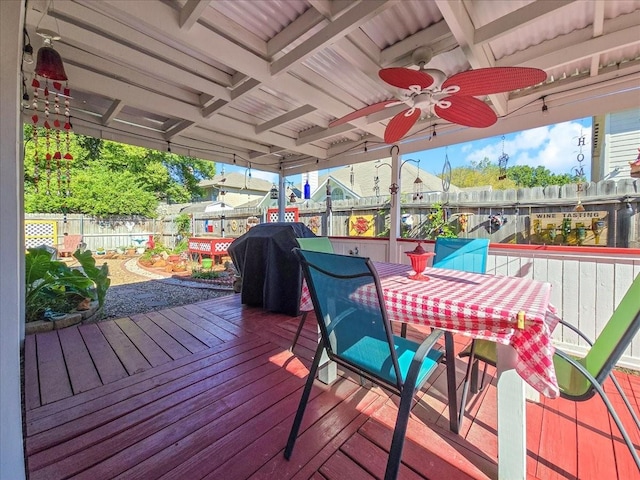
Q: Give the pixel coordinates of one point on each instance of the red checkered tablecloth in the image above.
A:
(479, 306)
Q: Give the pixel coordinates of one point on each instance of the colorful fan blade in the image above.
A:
(405, 78)
(486, 81)
(401, 124)
(363, 112)
(467, 111)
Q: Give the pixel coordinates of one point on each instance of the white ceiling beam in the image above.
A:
(213, 108)
(598, 29)
(85, 124)
(479, 56)
(163, 18)
(211, 136)
(178, 129)
(220, 23)
(146, 100)
(112, 112)
(154, 67)
(577, 105)
(110, 68)
(78, 14)
(517, 19)
(285, 118)
(438, 37)
(562, 50)
(296, 29)
(562, 56)
(323, 7)
(191, 11)
(335, 30)
(315, 134)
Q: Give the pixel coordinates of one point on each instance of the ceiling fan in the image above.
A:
(452, 99)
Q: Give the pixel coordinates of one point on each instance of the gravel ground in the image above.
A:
(135, 290)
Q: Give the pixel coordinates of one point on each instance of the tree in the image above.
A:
(107, 178)
(518, 176)
(526, 176)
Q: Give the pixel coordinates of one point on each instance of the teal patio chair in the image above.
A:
(580, 379)
(356, 334)
(314, 244)
(465, 254)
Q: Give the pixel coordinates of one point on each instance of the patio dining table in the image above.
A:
(513, 312)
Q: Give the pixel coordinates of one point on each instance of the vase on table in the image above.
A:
(419, 257)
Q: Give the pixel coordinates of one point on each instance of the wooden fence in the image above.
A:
(527, 216)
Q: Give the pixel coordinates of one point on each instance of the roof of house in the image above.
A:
(362, 182)
(237, 181)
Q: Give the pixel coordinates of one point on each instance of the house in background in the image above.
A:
(235, 189)
(373, 179)
(615, 143)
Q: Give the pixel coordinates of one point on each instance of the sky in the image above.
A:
(555, 147)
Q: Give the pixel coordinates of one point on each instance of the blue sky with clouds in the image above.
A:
(555, 147)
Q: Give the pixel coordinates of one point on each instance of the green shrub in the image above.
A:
(52, 286)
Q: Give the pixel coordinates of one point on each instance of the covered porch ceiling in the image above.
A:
(259, 81)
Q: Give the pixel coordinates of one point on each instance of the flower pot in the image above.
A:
(140, 250)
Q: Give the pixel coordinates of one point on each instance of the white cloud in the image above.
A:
(554, 147)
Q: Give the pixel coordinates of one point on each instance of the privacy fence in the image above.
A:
(601, 214)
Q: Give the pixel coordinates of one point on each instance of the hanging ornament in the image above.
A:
(36, 158)
(502, 163)
(417, 185)
(446, 174)
(48, 155)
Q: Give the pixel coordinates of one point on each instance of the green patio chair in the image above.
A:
(580, 379)
(356, 334)
(314, 244)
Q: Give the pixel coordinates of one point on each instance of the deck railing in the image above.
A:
(587, 282)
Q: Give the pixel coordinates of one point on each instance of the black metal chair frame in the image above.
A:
(405, 390)
(470, 380)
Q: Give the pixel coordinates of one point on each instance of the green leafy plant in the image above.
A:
(99, 275)
(183, 225)
(437, 225)
(52, 285)
(205, 274)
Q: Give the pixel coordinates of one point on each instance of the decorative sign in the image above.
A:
(570, 228)
(361, 226)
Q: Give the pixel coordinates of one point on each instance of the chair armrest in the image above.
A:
(575, 329)
(416, 363)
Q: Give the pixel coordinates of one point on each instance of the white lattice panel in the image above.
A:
(221, 247)
(290, 214)
(204, 247)
(38, 233)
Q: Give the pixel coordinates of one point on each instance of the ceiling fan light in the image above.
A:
(49, 64)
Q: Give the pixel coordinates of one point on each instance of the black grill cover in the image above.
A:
(271, 275)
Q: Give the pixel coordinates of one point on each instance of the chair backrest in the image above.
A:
(616, 335)
(316, 244)
(465, 254)
(349, 306)
(71, 242)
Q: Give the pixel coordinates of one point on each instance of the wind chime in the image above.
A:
(417, 186)
(55, 119)
(502, 163)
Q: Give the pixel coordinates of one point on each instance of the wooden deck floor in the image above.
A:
(209, 391)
